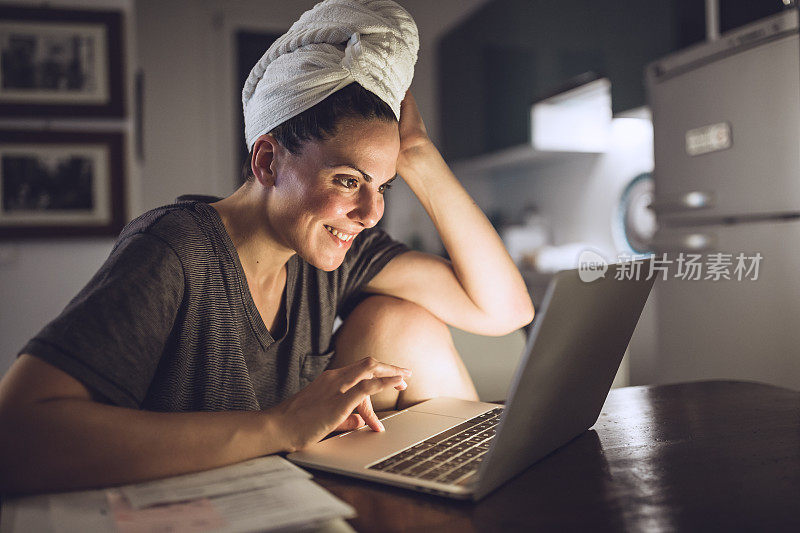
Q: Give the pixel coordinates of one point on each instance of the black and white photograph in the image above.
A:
(59, 184)
(48, 183)
(64, 66)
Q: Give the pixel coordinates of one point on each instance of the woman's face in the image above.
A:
(325, 196)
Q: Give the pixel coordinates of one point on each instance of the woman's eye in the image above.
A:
(350, 183)
(383, 188)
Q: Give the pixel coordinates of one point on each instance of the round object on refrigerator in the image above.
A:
(635, 224)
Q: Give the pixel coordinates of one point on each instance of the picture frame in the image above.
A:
(61, 184)
(60, 63)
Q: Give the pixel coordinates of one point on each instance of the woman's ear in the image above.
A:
(263, 161)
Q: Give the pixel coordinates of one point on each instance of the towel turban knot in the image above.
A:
(336, 43)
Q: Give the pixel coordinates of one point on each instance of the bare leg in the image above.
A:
(402, 333)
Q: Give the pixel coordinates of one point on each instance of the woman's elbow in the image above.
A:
(522, 319)
(513, 318)
(527, 312)
(523, 313)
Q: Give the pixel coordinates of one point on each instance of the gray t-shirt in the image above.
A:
(168, 323)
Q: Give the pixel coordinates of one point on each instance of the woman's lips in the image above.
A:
(340, 235)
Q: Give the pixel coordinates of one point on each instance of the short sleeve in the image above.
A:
(372, 250)
(112, 334)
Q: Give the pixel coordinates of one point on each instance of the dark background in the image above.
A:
(511, 53)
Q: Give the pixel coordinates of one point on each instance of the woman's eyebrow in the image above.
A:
(366, 176)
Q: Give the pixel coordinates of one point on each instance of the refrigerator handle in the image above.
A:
(689, 201)
(684, 242)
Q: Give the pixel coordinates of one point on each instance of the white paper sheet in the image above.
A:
(264, 494)
(80, 511)
(292, 504)
(254, 474)
(25, 514)
(66, 512)
(287, 505)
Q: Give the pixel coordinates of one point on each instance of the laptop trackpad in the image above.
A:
(359, 448)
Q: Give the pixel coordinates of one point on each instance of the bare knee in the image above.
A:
(387, 316)
(402, 333)
(388, 329)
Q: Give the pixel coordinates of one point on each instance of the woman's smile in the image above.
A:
(341, 239)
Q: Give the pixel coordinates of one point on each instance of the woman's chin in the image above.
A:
(326, 264)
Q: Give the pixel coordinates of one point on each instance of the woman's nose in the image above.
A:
(369, 209)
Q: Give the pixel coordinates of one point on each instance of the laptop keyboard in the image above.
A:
(450, 456)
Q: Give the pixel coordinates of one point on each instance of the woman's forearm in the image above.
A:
(479, 259)
(76, 443)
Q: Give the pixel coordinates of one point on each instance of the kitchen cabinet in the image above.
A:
(510, 53)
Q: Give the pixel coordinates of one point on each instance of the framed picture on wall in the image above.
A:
(55, 184)
(62, 63)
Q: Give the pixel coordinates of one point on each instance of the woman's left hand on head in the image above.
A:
(413, 134)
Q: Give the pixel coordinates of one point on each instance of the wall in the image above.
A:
(39, 277)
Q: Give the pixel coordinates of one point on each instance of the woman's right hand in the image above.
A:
(327, 404)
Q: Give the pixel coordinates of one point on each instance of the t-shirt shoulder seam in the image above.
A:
(141, 224)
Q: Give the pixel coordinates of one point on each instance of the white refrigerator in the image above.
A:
(726, 118)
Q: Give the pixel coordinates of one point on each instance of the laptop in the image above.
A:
(466, 449)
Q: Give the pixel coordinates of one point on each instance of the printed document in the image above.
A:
(264, 494)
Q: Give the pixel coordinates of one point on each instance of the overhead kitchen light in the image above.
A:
(575, 120)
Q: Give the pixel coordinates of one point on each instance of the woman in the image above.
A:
(205, 338)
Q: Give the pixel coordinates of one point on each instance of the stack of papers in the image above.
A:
(264, 494)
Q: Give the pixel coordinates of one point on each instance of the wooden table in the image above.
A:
(705, 456)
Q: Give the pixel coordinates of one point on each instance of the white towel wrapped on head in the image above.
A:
(336, 43)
